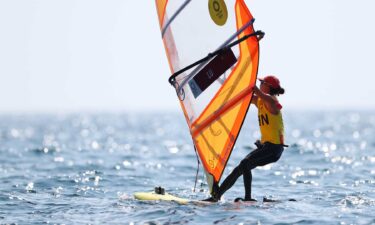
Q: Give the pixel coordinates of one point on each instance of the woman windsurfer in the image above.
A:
(271, 145)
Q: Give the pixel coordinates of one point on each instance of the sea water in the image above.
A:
(84, 169)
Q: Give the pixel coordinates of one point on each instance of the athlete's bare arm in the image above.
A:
(269, 101)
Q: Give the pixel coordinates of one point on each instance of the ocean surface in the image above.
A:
(84, 169)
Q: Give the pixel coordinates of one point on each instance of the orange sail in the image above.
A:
(215, 89)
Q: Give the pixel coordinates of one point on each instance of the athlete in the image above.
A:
(271, 145)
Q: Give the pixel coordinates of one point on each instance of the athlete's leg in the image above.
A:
(267, 154)
(247, 179)
(241, 169)
(229, 181)
(226, 185)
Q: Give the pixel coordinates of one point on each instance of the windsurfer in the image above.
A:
(271, 145)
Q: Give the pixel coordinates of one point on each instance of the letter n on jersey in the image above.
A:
(263, 119)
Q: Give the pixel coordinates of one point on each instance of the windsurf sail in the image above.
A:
(213, 54)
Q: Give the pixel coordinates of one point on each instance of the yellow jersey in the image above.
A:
(271, 126)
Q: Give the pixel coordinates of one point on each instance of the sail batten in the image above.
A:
(174, 16)
(216, 92)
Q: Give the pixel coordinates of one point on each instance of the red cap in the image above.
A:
(271, 80)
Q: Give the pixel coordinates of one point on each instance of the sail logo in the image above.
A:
(263, 119)
(218, 11)
(210, 74)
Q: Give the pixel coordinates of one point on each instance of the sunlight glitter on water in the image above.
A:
(70, 169)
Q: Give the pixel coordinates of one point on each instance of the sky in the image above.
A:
(91, 55)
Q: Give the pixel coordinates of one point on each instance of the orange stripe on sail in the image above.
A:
(171, 50)
(161, 6)
(199, 127)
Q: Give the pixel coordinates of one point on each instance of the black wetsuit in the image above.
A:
(265, 153)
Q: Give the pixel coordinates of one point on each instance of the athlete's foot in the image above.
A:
(245, 200)
(215, 197)
(210, 199)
